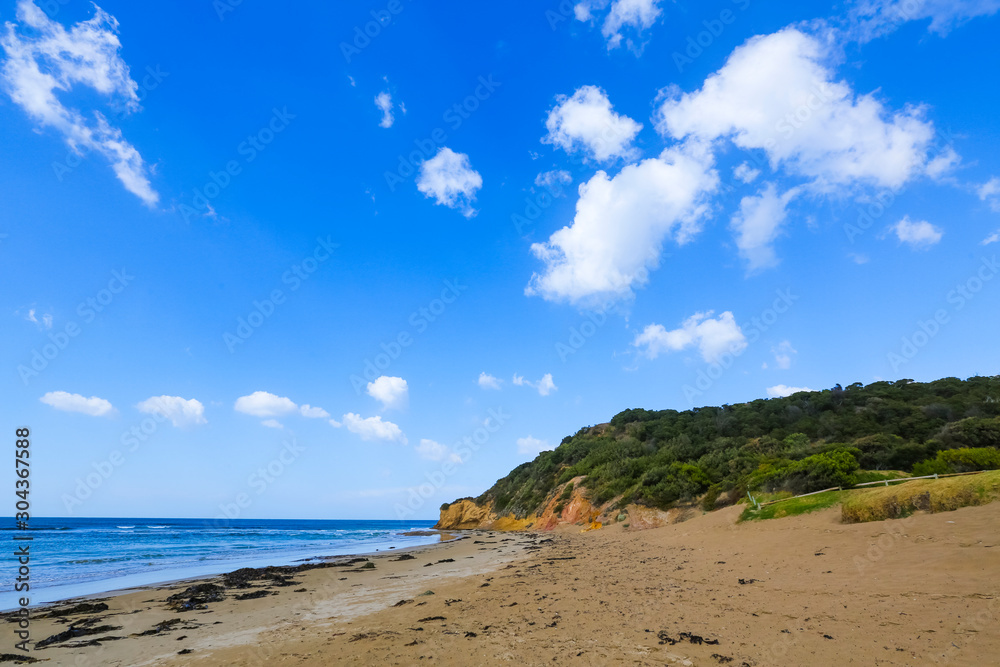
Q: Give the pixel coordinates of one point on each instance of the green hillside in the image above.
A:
(802, 443)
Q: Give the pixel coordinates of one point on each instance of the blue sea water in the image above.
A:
(75, 557)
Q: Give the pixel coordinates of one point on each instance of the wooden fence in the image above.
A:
(886, 482)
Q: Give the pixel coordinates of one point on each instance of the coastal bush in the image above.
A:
(965, 459)
(801, 443)
(567, 492)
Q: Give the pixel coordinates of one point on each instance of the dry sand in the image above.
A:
(918, 591)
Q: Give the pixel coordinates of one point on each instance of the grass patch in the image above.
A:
(929, 495)
(793, 507)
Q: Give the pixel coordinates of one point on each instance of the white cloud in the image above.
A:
(943, 163)
(45, 322)
(621, 224)
(713, 337)
(532, 446)
(992, 238)
(264, 404)
(435, 451)
(545, 386)
(875, 18)
(990, 192)
(384, 103)
(392, 392)
(181, 412)
(919, 235)
(781, 391)
(373, 428)
(758, 224)
(746, 173)
(586, 122)
(449, 178)
(637, 14)
(336, 424)
(43, 58)
(93, 406)
(487, 381)
(310, 412)
(777, 93)
(783, 353)
(547, 179)
(272, 423)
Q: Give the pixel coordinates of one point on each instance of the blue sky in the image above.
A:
(216, 217)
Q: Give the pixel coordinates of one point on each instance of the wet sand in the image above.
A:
(802, 590)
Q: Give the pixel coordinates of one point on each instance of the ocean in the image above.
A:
(75, 557)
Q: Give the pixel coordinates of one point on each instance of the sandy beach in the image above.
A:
(803, 590)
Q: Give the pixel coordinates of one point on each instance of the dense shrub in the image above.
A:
(966, 459)
(801, 443)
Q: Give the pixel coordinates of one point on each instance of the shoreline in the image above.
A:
(341, 584)
(805, 589)
(254, 563)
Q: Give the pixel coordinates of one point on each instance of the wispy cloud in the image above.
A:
(43, 59)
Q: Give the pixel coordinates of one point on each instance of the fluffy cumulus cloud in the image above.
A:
(532, 446)
(781, 391)
(311, 412)
(487, 381)
(449, 178)
(744, 172)
(758, 223)
(272, 423)
(639, 15)
(776, 93)
(374, 428)
(713, 337)
(586, 122)
(545, 386)
(874, 18)
(391, 392)
(180, 411)
(93, 406)
(620, 226)
(43, 59)
(918, 234)
(384, 103)
(989, 192)
(264, 404)
(435, 451)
